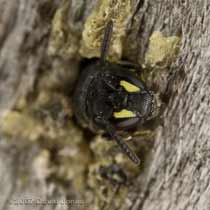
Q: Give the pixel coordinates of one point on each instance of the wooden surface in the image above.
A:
(177, 176)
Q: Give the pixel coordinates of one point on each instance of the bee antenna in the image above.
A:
(106, 41)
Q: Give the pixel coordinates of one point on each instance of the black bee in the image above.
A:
(111, 97)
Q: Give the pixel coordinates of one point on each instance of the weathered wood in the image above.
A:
(177, 175)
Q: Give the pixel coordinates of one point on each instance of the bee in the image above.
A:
(110, 97)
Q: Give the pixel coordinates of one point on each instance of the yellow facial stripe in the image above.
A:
(124, 113)
(129, 87)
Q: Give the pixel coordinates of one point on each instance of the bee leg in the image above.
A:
(127, 150)
(107, 136)
(114, 174)
(133, 66)
(109, 84)
(124, 147)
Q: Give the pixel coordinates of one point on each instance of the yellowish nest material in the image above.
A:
(162, 50)
(119, 11)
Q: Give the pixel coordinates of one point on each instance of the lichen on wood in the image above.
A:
(119, 12)
(175, 174)
(63, 41)
(162, 51)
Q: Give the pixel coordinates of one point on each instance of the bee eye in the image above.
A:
(124, 113)
(129, 87)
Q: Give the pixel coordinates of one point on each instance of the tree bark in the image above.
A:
(177, 174)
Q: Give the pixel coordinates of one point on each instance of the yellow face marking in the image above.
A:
(129, 87)
(124, 113)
